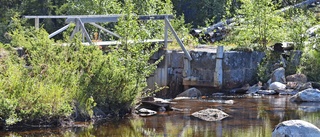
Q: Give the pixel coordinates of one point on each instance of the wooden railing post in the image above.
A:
(165, 33)
(36, 23)
(218, 73)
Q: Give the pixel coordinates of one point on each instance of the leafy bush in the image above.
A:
(310, 61)
(52, 81)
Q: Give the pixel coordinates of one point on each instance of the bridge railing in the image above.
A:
(80, 20)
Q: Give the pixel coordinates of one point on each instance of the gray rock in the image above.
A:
(277, 86)
(146, 112)
(278, 75)
(303, 86)
(301, 78)
(243, 89)
(217, 94)
(296, 128)
(210, 114)
(267, 92)
(292, 85)
(255, 88)
(308, 95)
(287, 92)
(221, 101)
(192, 92)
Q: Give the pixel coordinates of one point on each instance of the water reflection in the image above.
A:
(249, 117)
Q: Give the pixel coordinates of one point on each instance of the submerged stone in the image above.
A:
(267, 92)
(146, 112)
(210, 114)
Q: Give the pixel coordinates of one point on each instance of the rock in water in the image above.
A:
(296, 128)
(277, 86)
(192, 92)
(241, 90)
(146, 112)
(210, 114)
(267, 92)
(301, 78)
(255, 88)
(308, 95)
(278, 75)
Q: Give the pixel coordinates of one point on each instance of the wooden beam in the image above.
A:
(84, 31)
(104, 29)
(178, 39)
(36, 23)
(59, 31)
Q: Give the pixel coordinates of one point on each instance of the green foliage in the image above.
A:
(196, 12)
(124, 72)
(33, 92)
(259, 24)
(266, 67)
(52, 81)
(310, 61)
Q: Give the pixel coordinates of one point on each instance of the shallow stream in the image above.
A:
(249, 116)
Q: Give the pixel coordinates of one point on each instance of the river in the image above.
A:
(249, 116)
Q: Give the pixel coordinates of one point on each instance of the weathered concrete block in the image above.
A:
(203, 74)
(250, 76)
(203, 60)
(236, 60)
(176, 59)
(256, 58)
(233, 78)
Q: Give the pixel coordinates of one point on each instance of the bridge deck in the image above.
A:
(109, 43)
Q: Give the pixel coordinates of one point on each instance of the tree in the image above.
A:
(259, 24)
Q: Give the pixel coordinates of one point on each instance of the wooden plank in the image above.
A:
(106, 30)
(178, 39)
(84, 31)
(218, 73)
(99, 18)
(165, 34)
(36, 23)
(59, 31)
(107, 43)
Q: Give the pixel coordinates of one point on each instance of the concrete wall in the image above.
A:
(239, 68)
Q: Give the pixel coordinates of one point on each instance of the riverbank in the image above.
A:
(249, 116)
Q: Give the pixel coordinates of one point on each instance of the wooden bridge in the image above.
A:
(80, 20)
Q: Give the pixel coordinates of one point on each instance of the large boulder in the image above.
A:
(299, 86)
(277, 86)
(296, 128)
(278, 75)
(210, 114)
(301, 78)
(191, 92)
(308, 95)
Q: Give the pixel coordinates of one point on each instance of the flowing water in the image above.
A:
(249, 116)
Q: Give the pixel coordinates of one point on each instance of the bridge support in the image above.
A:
(218, 73)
